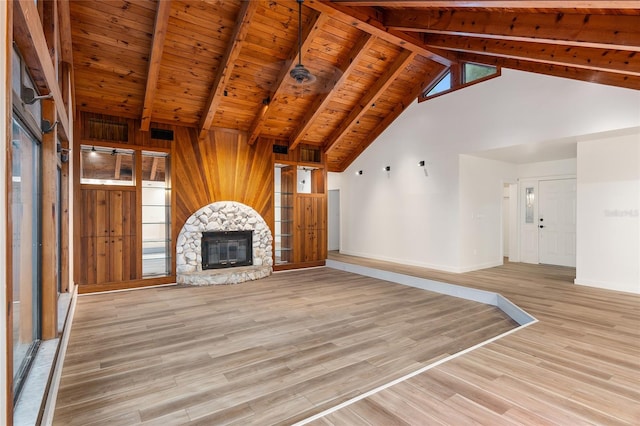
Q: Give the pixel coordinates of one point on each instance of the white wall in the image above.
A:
(608, 218)
(481, 205)
(566, 167)
(408, 217)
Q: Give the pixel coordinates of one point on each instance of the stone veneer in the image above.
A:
(223, 216)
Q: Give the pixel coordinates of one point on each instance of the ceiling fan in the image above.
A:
(299, 72)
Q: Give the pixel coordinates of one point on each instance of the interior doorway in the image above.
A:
(333, 224)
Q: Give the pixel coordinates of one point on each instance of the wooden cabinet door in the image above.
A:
(94, 221)
(311, 228)
(108, 236)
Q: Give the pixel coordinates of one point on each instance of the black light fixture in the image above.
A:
(29, 95)
(424, 165)
(46, 126)
(359, 172)
(387, 168)
(299, 73)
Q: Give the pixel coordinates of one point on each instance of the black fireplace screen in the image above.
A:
(226, 249)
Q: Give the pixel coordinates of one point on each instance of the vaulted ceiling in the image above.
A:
(226, 63)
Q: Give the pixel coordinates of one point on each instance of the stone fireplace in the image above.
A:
(227, 224)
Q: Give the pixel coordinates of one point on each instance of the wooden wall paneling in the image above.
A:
(220, 167)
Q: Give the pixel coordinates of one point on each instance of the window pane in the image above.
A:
(529, 205)
(15, 72)
(25, 210)
(153, 167)
(443, 85)
(106, 166)
(474, 72)
(156, 218)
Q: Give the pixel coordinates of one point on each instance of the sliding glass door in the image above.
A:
(25, 211)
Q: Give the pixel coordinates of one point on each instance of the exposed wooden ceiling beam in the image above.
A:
(370, 20)
(66, 46)
(157, 45)
(29, 36)
(610, 60)
(575, 27)
(601, 77)
(360, 48)
(223, 75)
(370, 98)
(512, 4)
(316, 21)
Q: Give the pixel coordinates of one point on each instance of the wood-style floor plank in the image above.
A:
(579, 364)
(273, 351)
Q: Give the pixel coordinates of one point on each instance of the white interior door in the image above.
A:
(557, 222)
(529, 221)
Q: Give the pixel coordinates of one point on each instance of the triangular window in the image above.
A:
(472, 72)
(443, 85)
(458, 76)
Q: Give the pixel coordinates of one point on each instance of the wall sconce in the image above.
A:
(359, 172)
(28, 95)
(47, 127)
(424, 165)
(387, 168)
(64, 152)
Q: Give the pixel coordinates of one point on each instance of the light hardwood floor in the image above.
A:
(147, 356)
(273, 351)
(580, 364)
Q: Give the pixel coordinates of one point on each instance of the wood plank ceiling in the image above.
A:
(226, 63)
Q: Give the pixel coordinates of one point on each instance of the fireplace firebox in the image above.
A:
(227, 249)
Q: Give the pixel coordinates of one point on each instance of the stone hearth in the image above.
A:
(222, 216)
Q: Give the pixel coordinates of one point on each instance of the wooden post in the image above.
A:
(49, 289)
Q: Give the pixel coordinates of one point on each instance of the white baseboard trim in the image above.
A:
(607, 285)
